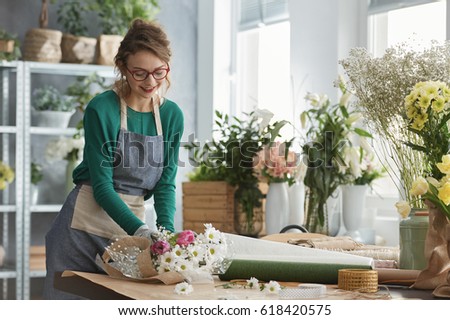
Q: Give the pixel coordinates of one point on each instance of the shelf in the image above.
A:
(53, 131)
(8, 129)
(70, 69)
(7, 208)
(7, 273)
(46, 208)
(8, 64)
(37, 273)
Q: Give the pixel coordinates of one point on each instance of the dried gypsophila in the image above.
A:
(380, 86)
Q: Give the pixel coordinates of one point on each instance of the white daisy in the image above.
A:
(183, 288)
(272, 287)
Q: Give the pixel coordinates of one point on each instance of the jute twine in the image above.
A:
(42, 45)
(361, 280)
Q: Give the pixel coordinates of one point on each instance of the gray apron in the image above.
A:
(83, 229)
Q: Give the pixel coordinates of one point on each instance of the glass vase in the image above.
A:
(314, 208)
(248, 211)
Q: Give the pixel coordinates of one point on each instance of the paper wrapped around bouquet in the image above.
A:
(268, 260)
(143, 262)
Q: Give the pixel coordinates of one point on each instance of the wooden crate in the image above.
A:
(208, 202)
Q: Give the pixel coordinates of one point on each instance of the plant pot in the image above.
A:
(42, 45)
(107, 47)
(6, 45)
(78, 49)
(55, 119)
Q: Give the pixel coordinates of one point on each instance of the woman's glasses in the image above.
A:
(141, 75)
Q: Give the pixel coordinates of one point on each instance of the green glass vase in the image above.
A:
(413, 232)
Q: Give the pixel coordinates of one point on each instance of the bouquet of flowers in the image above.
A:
(381, 85)
(362, 167)
(276, 163)
(65, 148)
(169, 257)
(6, 175)
(427, 110)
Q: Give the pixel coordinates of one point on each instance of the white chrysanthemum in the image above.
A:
(212, 235)
(253, 283)
(272, 287)
(183, 288)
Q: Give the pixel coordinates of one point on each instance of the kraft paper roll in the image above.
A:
(262, 270)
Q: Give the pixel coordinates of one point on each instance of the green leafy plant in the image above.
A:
(15, 53)
(36, 173)
(71, 15)
(50, 98)
(230, 156)
(116, 15)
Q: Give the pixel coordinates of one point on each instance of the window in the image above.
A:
(262, 62)
(418, 25)
(263, 70)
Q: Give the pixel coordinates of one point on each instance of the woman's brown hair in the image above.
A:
(142, 36)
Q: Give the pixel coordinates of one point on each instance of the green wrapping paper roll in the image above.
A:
(286, 271)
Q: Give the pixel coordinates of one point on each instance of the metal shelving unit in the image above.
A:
(12, 270)
(22, 209)
(29, 69)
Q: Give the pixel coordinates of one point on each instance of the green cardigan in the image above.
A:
(101, 125)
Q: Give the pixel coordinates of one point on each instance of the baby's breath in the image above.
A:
(381, 85)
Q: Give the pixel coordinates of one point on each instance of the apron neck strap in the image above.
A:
(123, 116)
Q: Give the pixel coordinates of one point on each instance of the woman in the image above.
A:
(132, 139)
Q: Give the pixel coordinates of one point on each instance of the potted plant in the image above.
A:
(9, 46)
(76, 46)
(51, 108)
(115, 18)
(231, 158)
(36, 177)
(43, 44)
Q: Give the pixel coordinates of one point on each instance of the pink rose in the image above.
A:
(160, 247)
(185, 238)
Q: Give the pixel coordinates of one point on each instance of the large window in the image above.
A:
(263, 70)
(418, 25)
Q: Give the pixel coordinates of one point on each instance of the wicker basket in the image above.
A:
(42, 45)
(361, 280)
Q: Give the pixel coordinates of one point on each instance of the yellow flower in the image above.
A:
(434, 182)
(444, 166)
(403, 208)
(6, 175)
(438, 104)
(411, 111)
(444, 193)
(419, 187)
(424, 102)
(431, 89)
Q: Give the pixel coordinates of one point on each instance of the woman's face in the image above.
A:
(145, 73)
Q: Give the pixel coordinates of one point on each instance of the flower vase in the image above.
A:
(315, 208)
(277, 207)
(296, 194)
(334, 212)
(71, 165)
(353, 206)
(248, 210)
(413, 232)
(34, 196)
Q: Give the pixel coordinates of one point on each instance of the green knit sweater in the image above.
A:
(102, 124)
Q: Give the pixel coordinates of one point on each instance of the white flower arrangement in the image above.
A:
(192, 255)
(65, 148)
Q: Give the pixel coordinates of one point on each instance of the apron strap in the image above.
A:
(157, 120)
(123, 117)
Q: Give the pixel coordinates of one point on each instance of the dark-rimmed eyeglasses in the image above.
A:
(141, 75)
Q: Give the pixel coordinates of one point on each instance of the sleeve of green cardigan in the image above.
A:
(164, 192)
(100, 136)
